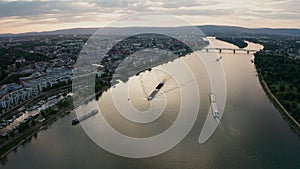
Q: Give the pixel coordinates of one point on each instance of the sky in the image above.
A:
(46, 15)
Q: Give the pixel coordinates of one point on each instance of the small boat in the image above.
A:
(219, 58)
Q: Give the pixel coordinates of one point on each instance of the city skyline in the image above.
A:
(19, 16)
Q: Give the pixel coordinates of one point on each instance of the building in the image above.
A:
(20, 60)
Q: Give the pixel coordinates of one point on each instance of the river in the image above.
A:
(251, 134)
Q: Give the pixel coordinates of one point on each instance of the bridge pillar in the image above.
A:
(234, 51)
(220, 50)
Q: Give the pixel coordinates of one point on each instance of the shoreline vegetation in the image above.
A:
(284, 113)
(33, 130)
(281, 85)
(237, 42)
(16, 141)
(279, 77)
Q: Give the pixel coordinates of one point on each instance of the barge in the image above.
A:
(84, 117)
(214, 107)
(155, 91)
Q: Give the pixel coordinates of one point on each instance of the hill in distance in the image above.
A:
(207, 29)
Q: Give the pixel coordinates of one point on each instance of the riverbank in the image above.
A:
(19, 140)
(293, 123)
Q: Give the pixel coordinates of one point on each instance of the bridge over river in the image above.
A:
(230, 49)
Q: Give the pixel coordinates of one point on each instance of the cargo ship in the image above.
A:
(213, 103)
(155, 91)
(84, 117)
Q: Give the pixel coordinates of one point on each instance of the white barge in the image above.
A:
(214, 107)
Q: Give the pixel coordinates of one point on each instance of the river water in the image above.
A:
(251, 134)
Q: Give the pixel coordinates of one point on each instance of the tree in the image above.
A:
(23, 126)
(293, 105)
(11, 133)
(282, 88)
(33, 122)
(62, 104)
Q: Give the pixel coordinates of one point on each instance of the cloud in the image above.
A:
(67, 11)
(59, 8)
(71, 9)
(37, 8)
(191, 3)
(272, 9)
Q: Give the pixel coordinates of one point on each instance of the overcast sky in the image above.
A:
(43, 15)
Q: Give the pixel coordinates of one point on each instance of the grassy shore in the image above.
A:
(293, 123)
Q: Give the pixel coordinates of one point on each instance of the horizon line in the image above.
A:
(44, 31)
